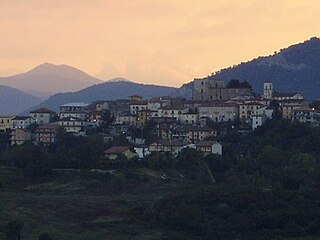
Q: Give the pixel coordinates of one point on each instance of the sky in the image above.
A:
(165, 42)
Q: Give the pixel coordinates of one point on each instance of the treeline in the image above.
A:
(268, 188)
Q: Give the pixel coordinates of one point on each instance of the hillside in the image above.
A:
(296, 68)
(47, 78)
(110, 90)
(14, 101)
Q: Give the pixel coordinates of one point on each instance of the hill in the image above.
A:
(14, 101)
(110, 90)
(47, 78)
(296, 68)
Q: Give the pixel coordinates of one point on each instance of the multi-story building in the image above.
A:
(247, 110)
(209, 147)
(20, 136)
(42, 115)
(21, 122)
(219, 111)
(5, 123)
(72, 125)
(306, 115)
(208, 89)
(46, 133)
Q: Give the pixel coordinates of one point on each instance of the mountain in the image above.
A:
(293, 69)
(14, 101)
(48, 78)
(110, 90)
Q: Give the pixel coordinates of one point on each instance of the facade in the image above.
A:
(142, 151)
(172, 112)
(5, 123)
(113, 152)
(207, 89)
(21, 122)
(42, 115)
(268, 90)
(258, 120)
(46, 133)
(219, 111)
(246, 110)
(20, 136)
(72, 125)
(306, 115)
(209, 147)
(137, 106)
(173, 147)
(189, 118)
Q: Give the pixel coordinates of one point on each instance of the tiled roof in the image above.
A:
(116, 149)
(43, 110)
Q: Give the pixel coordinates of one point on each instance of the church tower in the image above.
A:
(267, 90)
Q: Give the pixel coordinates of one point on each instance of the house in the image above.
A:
(258, 120)
(247, 110)
(145, 115)
(74, 111)
(306, 115)
(21, 122)
(173, 147)
(136, 106)
(219, 111)
(189, 118)
(72, 124)
(127, 119)
(209, 147)
(42, 115)
(101, 105)
(287, 96)
(46, 133)
(20, 136)
(142, 151)
(192, 134)
(172, 112)
(5, 123)
(113, 152)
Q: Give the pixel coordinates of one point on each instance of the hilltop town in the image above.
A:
(164, 124)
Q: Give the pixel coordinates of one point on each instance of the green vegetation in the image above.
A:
(266, 186)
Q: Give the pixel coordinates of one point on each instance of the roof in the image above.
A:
(135, 96)
(206, 143)
(71, 119)
(21, 117)
(170, 142)
(75, 104)
(116, 149)
(52, 127)
(43, 110)
(276, 94)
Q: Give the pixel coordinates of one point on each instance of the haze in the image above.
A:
(150, 41)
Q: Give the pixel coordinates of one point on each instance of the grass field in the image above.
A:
(82, 206)
(86, 205)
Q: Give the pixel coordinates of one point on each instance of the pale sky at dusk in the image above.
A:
(167, 42)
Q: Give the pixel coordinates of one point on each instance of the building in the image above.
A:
(72, 125)
(306, 115)
(5, 123)
(42, 115)
(142, 151)
(113, 152)
(209, 147)
(208, 89)
(173, 147)
(20, 136)
(46, 133)
(21, 122)
(172, 112)
(247, 110)
(219, 111)
(258, 120)
(268, 90)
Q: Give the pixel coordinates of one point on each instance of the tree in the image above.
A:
(44, 236)
(13, 230)
(107, 120)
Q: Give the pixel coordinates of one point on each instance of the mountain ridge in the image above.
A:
(292, 69)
